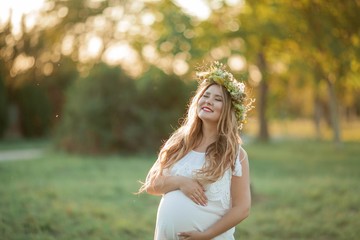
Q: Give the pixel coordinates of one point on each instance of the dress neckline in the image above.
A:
(197, 152)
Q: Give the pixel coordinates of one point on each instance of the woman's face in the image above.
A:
(210, 104)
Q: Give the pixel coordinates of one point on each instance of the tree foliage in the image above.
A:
(302, 59)
(162, 103)
(312, 43)
(107, 111)
(98, 111)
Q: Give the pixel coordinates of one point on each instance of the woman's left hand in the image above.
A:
(193, 235)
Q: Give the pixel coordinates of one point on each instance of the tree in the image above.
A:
(331, 29)
(162, 103)
(260, 26)
(100, 113)
(3, 107)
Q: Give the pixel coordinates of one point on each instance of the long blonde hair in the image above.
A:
(220, 155)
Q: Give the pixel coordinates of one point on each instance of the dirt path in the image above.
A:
(23, 154)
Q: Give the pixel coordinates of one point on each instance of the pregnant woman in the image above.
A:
(202, 172)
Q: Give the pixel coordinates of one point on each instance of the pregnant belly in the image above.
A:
(178, 213)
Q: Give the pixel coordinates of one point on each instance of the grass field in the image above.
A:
(301, 190)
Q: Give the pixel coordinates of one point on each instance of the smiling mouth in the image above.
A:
(206, 109)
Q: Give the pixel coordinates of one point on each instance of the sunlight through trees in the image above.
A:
(301, 59)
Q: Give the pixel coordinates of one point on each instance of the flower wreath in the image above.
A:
(217, 73)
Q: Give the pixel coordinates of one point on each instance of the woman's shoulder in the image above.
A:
(242, 154)
(241, 159)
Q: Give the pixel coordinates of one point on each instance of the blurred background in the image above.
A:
(90, 89)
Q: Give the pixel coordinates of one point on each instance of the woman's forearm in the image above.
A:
(188, 186)
(164, 184)
(233, 217)
(240, 202)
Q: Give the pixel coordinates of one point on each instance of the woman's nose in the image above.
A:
(209, 102)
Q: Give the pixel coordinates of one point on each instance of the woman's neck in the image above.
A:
(209, 135)
(209, 132)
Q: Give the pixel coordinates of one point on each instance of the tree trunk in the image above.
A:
(13, 130)
(317, 114)
(262, 99)
(318, 110)
(333, 111)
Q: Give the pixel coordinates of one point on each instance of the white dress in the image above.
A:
(178, 213)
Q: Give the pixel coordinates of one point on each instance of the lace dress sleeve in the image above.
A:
(240, 157)
(220, 190)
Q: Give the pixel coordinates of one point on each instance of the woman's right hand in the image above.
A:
(193, 190)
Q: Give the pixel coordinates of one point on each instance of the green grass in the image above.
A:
(304, 190)
(301, 190)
